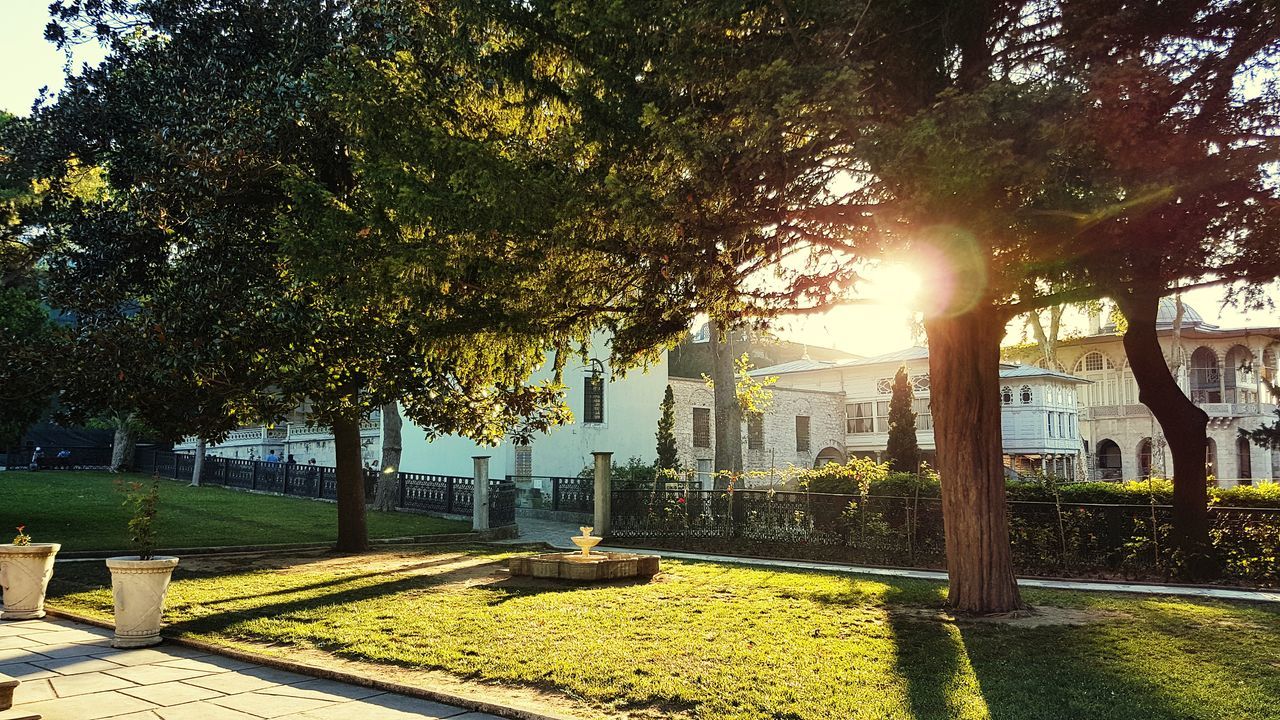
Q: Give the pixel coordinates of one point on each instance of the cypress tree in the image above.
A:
(667, 459)
(902, 453)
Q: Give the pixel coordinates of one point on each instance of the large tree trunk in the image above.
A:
(728, 413)
(353, 534)
(197, 465)
(1185, 427)
(124, 443)
(964, 370)
(389, 479)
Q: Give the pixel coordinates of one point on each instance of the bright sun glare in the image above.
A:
(894, 284)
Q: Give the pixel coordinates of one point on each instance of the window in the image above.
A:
(1006, 395)
(884, 386)
(924, 414)
(1025, 394)
(920, 383)
(882, 416)
(702, 427)
(755, 431)
(802, 433)
(1049, 417)
(860, 417)
(593, 409)
(524, 461)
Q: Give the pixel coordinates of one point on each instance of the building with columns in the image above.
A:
(1221, 370)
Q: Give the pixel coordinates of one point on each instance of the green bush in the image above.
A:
(848, 479)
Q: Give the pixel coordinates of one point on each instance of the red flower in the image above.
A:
(680, 500)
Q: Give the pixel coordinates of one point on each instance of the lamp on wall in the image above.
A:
(595, 368)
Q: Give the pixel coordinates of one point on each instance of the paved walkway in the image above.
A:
(69, 671)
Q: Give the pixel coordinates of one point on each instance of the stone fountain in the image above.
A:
(585, 566)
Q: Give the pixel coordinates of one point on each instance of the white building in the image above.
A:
(611, 413)
(1221, 370)
(1039, 418)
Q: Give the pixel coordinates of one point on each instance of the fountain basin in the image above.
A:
(597, 566)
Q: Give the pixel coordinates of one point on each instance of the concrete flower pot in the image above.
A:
(139, 587)
(24, 574)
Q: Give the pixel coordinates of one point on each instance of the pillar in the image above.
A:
(480, 488)
(604, 468)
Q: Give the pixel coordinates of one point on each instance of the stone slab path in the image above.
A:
(69, 671)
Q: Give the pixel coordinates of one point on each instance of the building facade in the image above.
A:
(1221, 370)
(1039, 415)
(799, 428)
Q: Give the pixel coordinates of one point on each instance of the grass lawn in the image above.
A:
(83, 511)
(718, 641)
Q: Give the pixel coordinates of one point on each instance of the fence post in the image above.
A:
(448, 494)
(604, 466)
(253, 474)
(480, 493)
(400, 490)
(284, 486)
(226, 470)
(555, 493)
(175, 465)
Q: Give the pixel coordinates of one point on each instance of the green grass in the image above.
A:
(720, 642)
(83, 511)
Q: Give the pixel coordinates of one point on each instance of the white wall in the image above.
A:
(631, 409)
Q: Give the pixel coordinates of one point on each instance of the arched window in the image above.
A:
(1239, 378)
(1109, 465)
(1244, 461)
(1104, 380)
(1206, 376)
(1006, 395)
(1144, 458)
(1211, 459)
(1025, 394)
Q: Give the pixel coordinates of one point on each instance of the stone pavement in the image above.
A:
(69, 671)
(532, 530)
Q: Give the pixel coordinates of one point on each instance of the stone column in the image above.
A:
(480, 490)
(604, 468)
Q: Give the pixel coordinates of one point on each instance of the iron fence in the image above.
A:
(438, 494)
(548, 492)
(1047, 538)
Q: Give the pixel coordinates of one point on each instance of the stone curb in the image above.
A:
(442, 539)
(316, 671)
(1215, 592)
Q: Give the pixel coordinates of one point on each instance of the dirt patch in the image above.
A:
(1034, 617)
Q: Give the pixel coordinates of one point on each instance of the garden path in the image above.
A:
(69, 671)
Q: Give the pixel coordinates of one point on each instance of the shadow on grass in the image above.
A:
(971, 669)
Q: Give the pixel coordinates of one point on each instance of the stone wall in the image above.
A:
(769, 463)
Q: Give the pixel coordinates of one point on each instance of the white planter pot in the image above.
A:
(24, 574)
(139, 587)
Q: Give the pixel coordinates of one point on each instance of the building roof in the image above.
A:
(1165, 315)
(898, 357)
(806, 364)
(1031, 371)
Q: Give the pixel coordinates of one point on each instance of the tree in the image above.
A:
(728, 412)
(1168, 189)
(668, 458)
(392, 446)
(902, 453)
(233, 260)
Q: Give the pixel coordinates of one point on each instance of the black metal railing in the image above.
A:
(1077, 539)
(436, 494)
(59, 458)
(548, 492)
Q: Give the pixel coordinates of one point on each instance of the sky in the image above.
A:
(29, 63)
